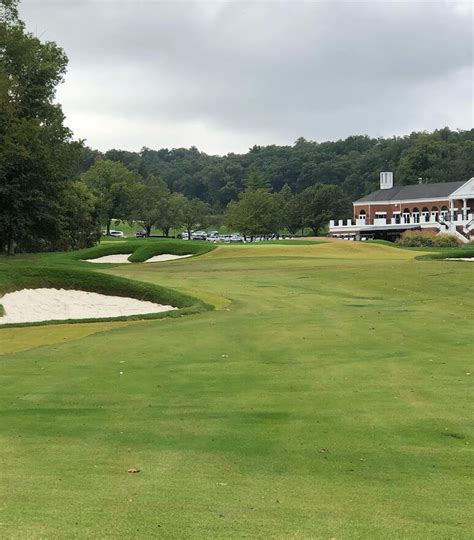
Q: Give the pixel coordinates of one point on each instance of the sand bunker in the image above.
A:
(120, 258)
(37, 305)
(166, 257)
(471, 259)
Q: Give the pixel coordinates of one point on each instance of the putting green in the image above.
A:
(328, 397)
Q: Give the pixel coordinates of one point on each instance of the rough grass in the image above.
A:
(330, 399)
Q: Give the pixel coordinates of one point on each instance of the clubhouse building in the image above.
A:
(386, 213)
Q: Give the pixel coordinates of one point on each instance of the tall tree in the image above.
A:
(114, 187)
(150, 201)
(322, 203)
(294, 214)
(255, 180)
(256, 213)
(172, 213)
(80, 227)
(195, 214)
(36, 149)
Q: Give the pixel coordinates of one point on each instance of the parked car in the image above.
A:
(236, 237)
(184, 236)
(213, 236)
(199, 235)
(141, 234)
(117, 234)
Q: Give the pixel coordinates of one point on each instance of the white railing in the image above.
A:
(433, 220)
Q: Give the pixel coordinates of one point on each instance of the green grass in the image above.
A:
(463, 252)
(328, 397)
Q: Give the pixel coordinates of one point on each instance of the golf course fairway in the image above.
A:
(327, 395)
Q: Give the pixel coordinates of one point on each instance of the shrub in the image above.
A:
(446, 240)
(427, 239)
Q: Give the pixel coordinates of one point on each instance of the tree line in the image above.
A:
(57, 194)
(353, 164)
(122, 194)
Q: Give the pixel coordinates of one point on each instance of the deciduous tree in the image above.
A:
(36, 149)
(256, 213)
(150, 202)
(114, 187)
(195, 214)
(322, 203)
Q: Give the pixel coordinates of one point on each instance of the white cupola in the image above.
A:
(386, 180)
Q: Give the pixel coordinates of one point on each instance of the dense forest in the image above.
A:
(353, 164)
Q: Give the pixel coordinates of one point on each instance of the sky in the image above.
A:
(224, 76)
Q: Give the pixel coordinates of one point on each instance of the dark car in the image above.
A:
(140, 234)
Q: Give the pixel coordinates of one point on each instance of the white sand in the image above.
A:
(166, 257)
(36, 305)
(120, 258)
(471, 259)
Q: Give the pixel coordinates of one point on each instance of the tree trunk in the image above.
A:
(108, 227)
(166, 231)
(148, 230)
(10, 246)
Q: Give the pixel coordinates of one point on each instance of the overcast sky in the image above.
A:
(224, 76)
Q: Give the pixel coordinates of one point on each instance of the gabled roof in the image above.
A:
(411, 193)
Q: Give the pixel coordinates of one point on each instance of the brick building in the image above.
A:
(386, 213)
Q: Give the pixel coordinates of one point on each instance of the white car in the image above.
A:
(213, 236)
(116, 234)
(199, 235)
(236, 237)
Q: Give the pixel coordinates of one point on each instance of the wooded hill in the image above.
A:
(353, 164)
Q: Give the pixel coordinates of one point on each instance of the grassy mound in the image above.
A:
(13, 278)
(433, 252)
(453, 253)
(142, 250)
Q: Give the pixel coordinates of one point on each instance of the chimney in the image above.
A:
(386, 180)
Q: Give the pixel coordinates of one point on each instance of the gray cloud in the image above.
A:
(226, 75)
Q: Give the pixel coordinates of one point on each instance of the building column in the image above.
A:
(464, 208)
